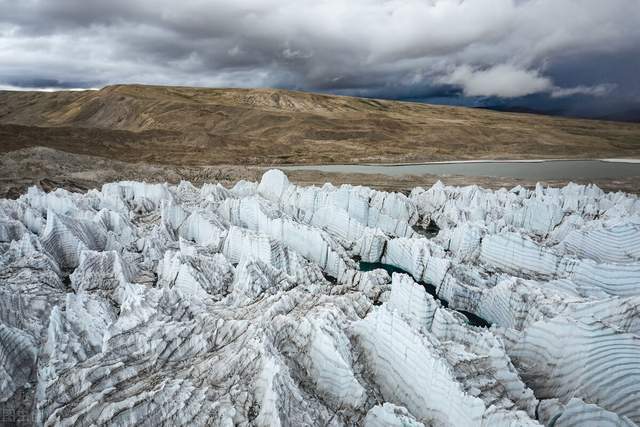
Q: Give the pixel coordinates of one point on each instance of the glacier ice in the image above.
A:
(158, 304)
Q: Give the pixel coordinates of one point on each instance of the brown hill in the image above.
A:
(197, 126)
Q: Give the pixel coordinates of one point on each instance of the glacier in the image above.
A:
(159, 304)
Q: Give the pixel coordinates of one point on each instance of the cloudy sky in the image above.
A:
(579, 57)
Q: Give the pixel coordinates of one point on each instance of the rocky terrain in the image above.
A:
(79, 140)
(202, 127)
(50, 169)
(268, 303)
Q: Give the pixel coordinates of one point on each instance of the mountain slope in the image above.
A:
(195, 126)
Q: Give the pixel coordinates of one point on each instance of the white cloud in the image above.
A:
(504, 80)
(597, 90)
(509, 81)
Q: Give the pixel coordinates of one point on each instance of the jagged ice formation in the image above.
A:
(153, 304)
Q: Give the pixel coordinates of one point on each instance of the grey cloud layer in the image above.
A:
(395, 48)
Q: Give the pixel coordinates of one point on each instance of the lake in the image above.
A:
(431, 290)
(532, 170)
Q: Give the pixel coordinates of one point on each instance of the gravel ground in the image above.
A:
(53, 169)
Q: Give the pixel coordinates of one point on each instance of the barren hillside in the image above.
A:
(196, 126)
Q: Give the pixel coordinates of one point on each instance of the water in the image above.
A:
(473, 319)
(536, 171)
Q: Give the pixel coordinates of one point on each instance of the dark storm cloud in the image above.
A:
(46, 83)
(504, 49)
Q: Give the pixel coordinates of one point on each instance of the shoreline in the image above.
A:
(51, 169)
(453, 162)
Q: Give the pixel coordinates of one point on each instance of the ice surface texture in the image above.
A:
(154, 304)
